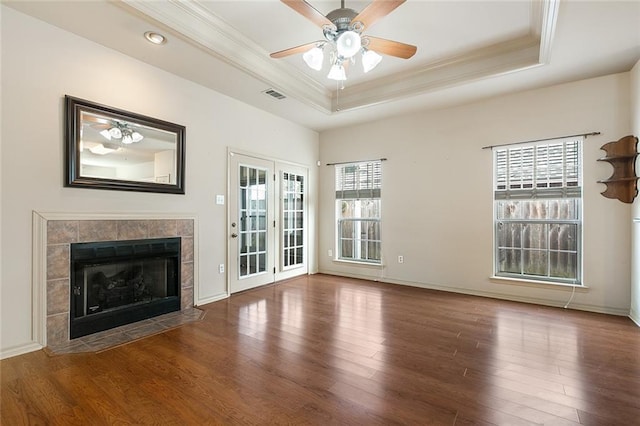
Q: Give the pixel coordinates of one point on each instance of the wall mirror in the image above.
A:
(107, 148)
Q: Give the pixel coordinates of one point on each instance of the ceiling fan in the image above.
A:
(113, 129)
(343, 32)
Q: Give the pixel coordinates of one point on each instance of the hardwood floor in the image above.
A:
(328, 350)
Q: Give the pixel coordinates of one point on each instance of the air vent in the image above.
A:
(274, 94)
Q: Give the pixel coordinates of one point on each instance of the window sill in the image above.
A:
(356, 263)
(534, 283)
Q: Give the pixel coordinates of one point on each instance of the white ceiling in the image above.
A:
(467, 50)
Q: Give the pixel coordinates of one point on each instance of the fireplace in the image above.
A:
(114, 283)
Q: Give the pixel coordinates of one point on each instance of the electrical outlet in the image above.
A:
(330, 253)
(400, 259)
(221, 268)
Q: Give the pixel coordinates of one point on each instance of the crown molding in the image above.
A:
(200, 26)
(511, 56)
(547, 27)
(497, 59)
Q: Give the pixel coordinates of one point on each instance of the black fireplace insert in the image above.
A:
(120, 282)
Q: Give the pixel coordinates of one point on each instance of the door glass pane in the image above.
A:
(253, 220)
(252, 264)
(243, 265)
(292, 219)
(252, 242)
(244, 244)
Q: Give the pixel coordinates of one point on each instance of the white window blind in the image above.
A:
(538, 211)
(358, 180)
(549, 170)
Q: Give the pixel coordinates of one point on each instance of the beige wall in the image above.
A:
(437, 183)
(437, 191)
(40, 64)
(635, 252)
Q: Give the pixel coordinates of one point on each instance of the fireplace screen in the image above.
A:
(120, 282)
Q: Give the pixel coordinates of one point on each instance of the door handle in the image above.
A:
(234, 235)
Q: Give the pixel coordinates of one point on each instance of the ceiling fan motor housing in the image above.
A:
(341, 18)
(343, 29)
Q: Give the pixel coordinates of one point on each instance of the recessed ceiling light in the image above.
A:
(155, 38)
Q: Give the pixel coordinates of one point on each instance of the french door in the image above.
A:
(267, 221)
(291, 221)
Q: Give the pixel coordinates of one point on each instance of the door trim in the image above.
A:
(278, 166)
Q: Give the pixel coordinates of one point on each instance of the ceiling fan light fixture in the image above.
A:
(127, 139)
(337, 73)
(123, 132)
(343, 30)
(115, 132)
(136, 137)
(314, 58)
(348, 44)
(370, 60)
(106, 134)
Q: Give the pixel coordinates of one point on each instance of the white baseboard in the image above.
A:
(633, 315)
(501, 296)
(20, 350)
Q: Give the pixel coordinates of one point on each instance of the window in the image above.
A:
(358, 188)
(538, 211)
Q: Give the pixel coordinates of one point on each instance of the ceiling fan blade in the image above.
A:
(391, 48)
(308, 11)
(97, 122)
(293, 50)
(376, 10)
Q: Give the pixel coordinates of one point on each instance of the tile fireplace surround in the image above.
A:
(53, 235)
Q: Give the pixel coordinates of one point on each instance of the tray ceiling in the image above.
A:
(467, 50)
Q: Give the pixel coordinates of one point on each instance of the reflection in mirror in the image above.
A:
(114, 149)
(117, 149)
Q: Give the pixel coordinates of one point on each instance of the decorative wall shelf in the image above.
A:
(621, 154)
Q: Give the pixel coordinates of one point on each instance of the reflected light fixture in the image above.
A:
(123, 132)
(100, 149)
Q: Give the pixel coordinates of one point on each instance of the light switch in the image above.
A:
(220, 199)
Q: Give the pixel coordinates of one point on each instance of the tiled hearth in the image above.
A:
(61, 233)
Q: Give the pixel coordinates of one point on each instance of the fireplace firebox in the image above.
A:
(114, 283)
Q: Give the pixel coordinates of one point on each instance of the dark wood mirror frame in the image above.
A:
(83, 120)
